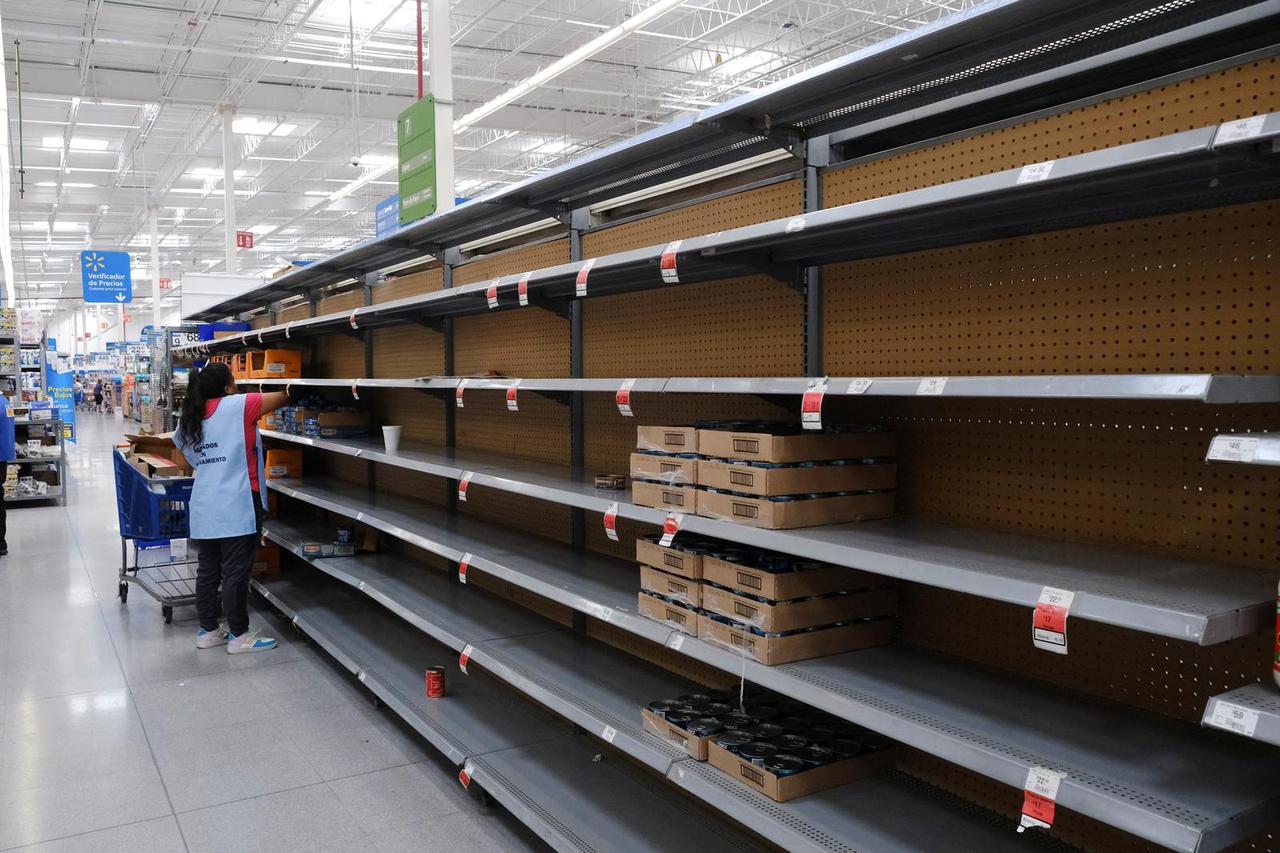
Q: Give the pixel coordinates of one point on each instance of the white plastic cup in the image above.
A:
(391, 435)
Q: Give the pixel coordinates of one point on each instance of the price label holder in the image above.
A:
(811, 404)
(580, 289)
(463, 565)
(522, 289)
(1033, 172)
(355, 390)
(670, 527)
(464, 775)
(609, 734)
(1049, 623)
(1240, 129)
(794, 224)
(1233, 718)
(670, 274)
(491, 294)
(676, 641)
(513, 399)
(858, 386)
(1232, 448)
(931, 386)
(288, 330)
(458, 392)
(464, 482)
(464, 658)
(611, 521)
(1039, 799)
(623, 397)
(351, 320)
(259, 337)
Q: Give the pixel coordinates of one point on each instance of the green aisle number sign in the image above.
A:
(416, 138)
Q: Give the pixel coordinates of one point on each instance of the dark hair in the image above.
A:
(202, 385)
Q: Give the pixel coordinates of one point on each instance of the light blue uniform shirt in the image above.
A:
(222, 497)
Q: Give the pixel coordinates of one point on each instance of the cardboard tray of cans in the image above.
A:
(667, 439)
(665, 468)
(769, 479)
(777, 647)
(769, 743)
(678, 559)
(676, 614)
(793, 614)
(786, 512)
(764, 441)
(671, 586)
(682, 499)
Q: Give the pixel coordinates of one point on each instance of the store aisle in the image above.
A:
(117, 734)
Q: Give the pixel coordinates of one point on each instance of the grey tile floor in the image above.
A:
(116, 734)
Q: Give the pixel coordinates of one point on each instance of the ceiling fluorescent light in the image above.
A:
(251, 126)
(78, 143)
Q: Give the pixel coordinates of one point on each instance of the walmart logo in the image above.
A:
(95, 262)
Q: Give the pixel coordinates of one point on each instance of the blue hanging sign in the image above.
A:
(386, 216)
(106, 276)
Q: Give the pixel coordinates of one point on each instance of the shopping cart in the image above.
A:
(153, 520)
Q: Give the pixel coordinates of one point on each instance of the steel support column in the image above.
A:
(817, 156)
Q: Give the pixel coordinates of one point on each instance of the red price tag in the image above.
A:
(623, 397)
(581, 289)
(1039, 799)
(670, 527)
(491, 294)
(463, 564)
(464, 658)
(611, 522)
(668, 263)
(1049, 622)
(464, 775)
(457, 394)
(513, 400)
(811, 404)
(355, 391)
(463, 484)
(522, 289)
(352, 319)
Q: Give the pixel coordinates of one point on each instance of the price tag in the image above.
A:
(462, 567)
(464, 775)
(355, 390)
(259, 337)
(491, 294)
(463, 483)
(931, 386)
(457, 394)
(288, 330)
(581, 289)
(611, 521)
(352, 319)
(811, 404)
(668, 263)
(609, 734)
(670, 527)
(858, 386)
(1232, 448)
(794, 224)
(513, 401)
(361, 676)
(1233, 718)
(1033, 172)
(623, 397)
(464, 657)
(1234, 131)
(1039, 796)
(522, 289)
(1049, 623)
(676, 641)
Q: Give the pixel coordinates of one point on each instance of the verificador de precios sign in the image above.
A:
(105, 276)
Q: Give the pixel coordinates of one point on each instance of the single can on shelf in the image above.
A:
(435, 682)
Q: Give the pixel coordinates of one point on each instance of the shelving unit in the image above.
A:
(1252, 449)
(1252, 711)
(23, 427)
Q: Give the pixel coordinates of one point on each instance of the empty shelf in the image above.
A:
(1251, 711)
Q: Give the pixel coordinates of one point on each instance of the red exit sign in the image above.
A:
(244, 239)
(166, 283)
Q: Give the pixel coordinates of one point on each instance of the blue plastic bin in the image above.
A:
(150, 509)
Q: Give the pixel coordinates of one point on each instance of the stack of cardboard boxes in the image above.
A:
(765, 474)
(319, 418)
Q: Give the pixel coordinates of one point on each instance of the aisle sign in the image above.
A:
(416, 152)
(386, 216)
(105, 276)
(59, 388)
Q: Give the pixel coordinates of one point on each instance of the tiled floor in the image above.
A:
(117, 734)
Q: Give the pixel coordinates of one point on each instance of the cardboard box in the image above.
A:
(156, 466)
(802, 613)
(266, 560)
(780, 586)
(682, 499)
(765, 447)
(671, 586)
(772, 651)
(664, 468)
(681, 618)
(795, 480)
(284, 464)
(275, 364)
(160, 446)
(240, 364)
(693, 745)
(786, 515)
(784, 788)
(337, 424)
(669, 439)
(671, 560)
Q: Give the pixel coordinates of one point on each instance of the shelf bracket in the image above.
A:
(557, 211)
(435, 324)
(560, 307)
(789, 139)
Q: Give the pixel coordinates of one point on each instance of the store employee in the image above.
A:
(218, 433)
(7, 454)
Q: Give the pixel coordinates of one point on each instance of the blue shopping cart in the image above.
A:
(153, 521)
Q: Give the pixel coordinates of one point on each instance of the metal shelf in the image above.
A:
(1260, 448)
(1184, 600)
(1181, 171)
(576, 802)
(1211, 388)
(1252, 711)
(602, 690)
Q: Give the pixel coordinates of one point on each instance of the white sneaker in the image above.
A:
(249, 642)
(209, 639)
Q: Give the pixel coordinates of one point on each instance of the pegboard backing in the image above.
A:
(336, 357)
(420, 416)
(406, 352)
(345, 468)
(774, 201)
(399, 287)
(345, 301)
(538, 518)
(539, 431)
(1192, 292)
(512, 261)
(1124, 473)
(529, 343)
(1233, 93)
(656, 654)
(260, 322)
(732, 327)
(413, 484)
(300, 311)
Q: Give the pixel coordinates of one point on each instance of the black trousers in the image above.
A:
(225, 563)
(4, 511)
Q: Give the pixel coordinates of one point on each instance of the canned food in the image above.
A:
(765, 731)
(763, 713)
(660, 707)
(756, 752)
(737, 721)
(346, 534)
(716, 709)
(698, 700)
(790, 744)
(783, 765)
(733, 739)
(704, 726)
(679, 718)
(794, 725)
(821, 735)
(435, 682)
(816, 756)
(846, 748)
